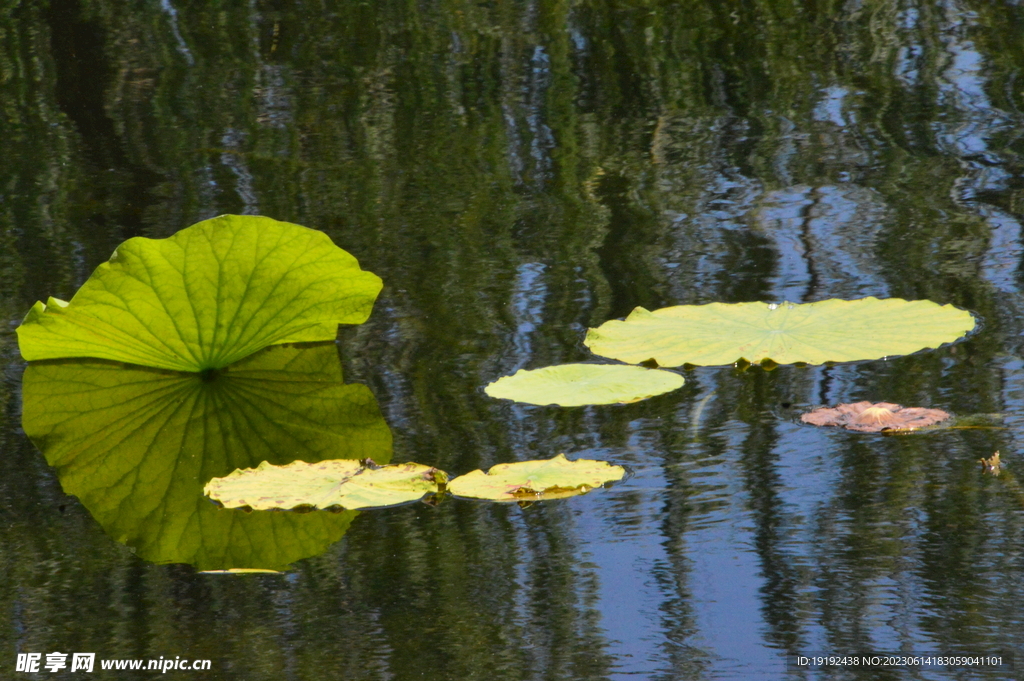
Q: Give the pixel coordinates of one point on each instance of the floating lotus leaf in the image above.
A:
(866, 417)
(208, 296)
(536, 480)
(828, 331)
(343, 483)
(573, 385)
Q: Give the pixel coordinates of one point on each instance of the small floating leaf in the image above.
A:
(207, 296)
(813, 333)
(536, 480)
(573, 385)
(339, 482)
(866, 417)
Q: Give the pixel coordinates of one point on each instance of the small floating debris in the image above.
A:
(991, 464)
(867, 417)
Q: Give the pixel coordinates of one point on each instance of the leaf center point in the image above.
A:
(208, 375)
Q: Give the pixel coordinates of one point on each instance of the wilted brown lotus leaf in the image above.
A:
(866, 417)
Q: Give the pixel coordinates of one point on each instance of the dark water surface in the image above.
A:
(517, 172)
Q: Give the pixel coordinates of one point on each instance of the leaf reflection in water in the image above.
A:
(137, 445)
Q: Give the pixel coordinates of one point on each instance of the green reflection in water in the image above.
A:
(137, 445)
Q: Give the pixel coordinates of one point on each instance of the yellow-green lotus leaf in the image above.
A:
(536, 480)
(573, 385)
(344, 483)
(205, 297)
(814, 333)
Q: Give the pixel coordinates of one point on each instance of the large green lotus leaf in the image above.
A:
(573, 385)
(828, 331)
(137, 445)
(206, 297)
(536, 480)
(354, 485)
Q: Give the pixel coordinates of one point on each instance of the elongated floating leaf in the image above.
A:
(211, 294)
(573, 385)
(344, 483)
(241, 571)
(536, 480)
(827, 331)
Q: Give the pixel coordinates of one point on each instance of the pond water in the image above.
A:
(517, 172)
